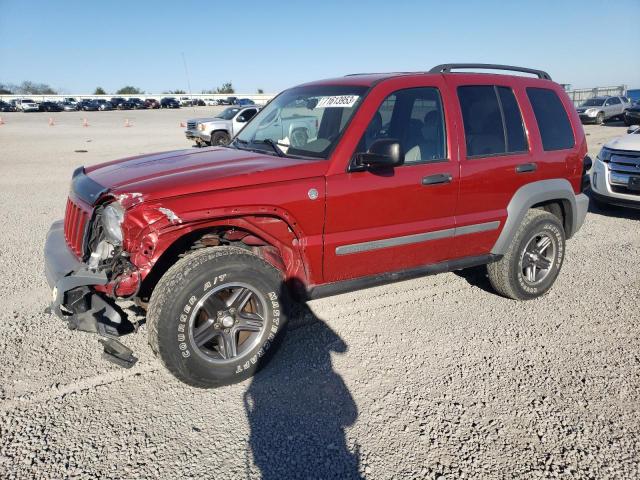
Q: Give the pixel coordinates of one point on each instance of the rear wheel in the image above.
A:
(533, 261)
(217, 316)
(219, 138)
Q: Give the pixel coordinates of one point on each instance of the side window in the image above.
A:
(553, 121)
(249, 114)
(492, 121)
(416, 119)
(516, 139)
(615, 101)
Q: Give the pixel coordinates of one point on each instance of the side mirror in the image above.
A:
(633, 128)
(241, 119)
(383, 153)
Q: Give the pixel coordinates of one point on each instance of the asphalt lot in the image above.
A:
(420, 379)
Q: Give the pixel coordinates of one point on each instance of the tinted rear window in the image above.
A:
(553, 122)
(492, 121)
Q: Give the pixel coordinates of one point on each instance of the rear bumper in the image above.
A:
(73, 299)
(582, 207)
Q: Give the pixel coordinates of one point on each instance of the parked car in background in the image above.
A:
(88, 105)
(220, 129)
(104, 104)
(72, 100)
(25, 105)
(211, 102)
(217, 245)
(115, 101)
(615, 176)
(169, 102)
(49, 107)
(69, 106)
(137, 103)
(186, 102)
(6, 107)
(600, 109)
(125, 105)
(632, 114)
(151, 103)
(245, 101)
(228, 101)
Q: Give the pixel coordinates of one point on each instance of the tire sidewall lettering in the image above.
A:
(552, 229)
(272, 318)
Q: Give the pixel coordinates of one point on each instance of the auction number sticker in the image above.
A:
(339, 101)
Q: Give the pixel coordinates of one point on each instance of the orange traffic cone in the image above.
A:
(51, 122)
(183, 125)
(1, 121)
(127, 123)
(85, 123)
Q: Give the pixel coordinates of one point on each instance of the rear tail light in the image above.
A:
(587, 163)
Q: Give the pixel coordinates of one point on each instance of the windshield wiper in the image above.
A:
(272, 144)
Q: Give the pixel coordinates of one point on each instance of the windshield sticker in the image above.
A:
(339, 101)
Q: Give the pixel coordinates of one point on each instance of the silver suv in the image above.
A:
(598, 109)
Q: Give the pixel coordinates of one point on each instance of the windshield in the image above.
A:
(593, 102)
(303, 121)
(227, 113)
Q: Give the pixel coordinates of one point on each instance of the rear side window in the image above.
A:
(492, 121)
(553, 122)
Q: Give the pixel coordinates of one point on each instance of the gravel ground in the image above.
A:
(431, 378)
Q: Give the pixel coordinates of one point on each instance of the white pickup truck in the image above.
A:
(26, 105)
(219, 130)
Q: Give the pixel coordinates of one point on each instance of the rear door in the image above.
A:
(496, 158)
(395, 219)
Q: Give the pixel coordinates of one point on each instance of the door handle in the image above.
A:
(437, 179)
(526, 167)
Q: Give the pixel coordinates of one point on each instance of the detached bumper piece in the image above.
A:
(81, 307)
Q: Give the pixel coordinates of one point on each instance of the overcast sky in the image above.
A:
(76, 46)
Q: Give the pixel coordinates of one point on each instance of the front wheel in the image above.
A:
(217, 316)
(600, 118)
(220, 138)
(533, 261)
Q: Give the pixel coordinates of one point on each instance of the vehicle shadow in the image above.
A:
(298, 407)
(613, 123)
(476, 277)
(612, 210)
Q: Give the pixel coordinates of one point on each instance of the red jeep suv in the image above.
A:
(334, 186)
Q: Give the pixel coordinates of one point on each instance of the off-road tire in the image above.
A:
(506, 275)
(184, 284)
(220, 139)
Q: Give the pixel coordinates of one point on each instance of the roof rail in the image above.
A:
(447, 67)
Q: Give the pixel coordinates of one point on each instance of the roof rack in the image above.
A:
(447, 67)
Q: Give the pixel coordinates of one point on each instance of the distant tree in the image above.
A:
(6, 89)
(226, 88)
(129, 90)
(260, 91)
(31, 88)
(99, 91)
(175, 92)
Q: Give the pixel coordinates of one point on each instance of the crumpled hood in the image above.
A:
(189, 171)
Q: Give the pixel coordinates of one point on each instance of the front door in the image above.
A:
(390, 220)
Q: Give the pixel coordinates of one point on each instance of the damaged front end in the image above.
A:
(85, 263)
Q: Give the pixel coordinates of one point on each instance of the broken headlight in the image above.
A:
(112, 217)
